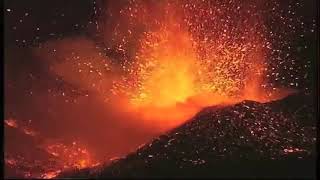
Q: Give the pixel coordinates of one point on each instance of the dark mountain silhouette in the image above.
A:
(249, 139)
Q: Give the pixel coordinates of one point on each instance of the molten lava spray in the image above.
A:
(149, 67)
(187, 56)
(165, 60)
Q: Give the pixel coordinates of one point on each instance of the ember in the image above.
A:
(65, 157)
(129, 71)
(50, 175)
(11, 123)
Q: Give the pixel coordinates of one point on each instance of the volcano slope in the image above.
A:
(249, 139)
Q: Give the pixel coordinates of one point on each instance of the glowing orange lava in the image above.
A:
(175, 74)
(172, 59)
(11, 123)
(64, 156)
(174, 65)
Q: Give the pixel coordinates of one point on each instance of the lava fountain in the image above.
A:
(152, 65)
(173, 58)
(184, 61)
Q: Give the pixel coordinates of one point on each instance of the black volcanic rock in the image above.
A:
(249, 139)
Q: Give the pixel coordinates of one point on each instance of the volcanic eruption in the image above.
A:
(142, 69)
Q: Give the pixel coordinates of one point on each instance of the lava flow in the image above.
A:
(59, 156)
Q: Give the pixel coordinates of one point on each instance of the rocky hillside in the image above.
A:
(249, 139)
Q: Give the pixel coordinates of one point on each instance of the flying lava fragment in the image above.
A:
(148, 67)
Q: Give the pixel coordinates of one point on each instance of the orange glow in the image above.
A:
(170, 70)
(30, 132)
(11, 162)
(50, 175)
(175, 70)
(174, 83)
(65, 156)
(73, 156)
(171, 77)
(11, 123)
